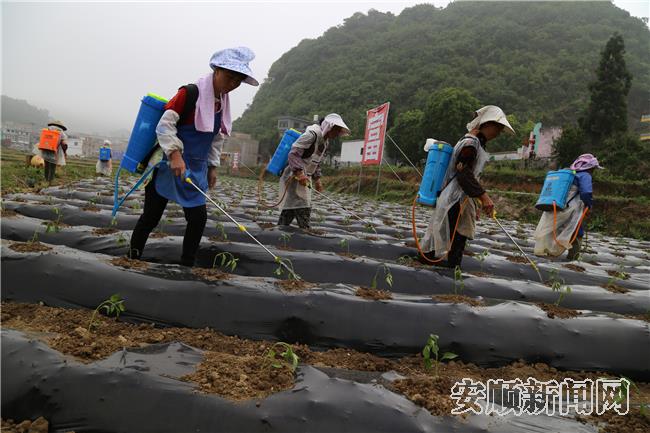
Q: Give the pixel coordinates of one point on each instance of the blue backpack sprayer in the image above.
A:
(555, 195)
(141, 143)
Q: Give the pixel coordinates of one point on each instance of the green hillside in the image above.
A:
(534, 59)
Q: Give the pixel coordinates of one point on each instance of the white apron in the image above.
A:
(437, 237)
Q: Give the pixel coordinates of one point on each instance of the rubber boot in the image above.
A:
(574, 250)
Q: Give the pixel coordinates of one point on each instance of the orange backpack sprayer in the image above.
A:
(49, 140)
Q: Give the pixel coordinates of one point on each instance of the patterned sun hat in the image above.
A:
(235, 59)
(585, 162)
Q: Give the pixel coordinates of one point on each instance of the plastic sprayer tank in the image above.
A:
(556, 189)
(434, 173)
(143, 135)
(281, 155)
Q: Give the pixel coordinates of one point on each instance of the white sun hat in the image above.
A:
(331, 120)
(490, 113)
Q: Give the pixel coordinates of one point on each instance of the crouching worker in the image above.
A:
(303, 171)
(454, 218)
(190, 133)
(564, 230)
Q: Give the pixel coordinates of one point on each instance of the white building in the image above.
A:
(351, 151)
(75, 146)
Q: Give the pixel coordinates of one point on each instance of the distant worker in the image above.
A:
(190, 133)
(104, 166)
(52, 146)
(556, 230)
(303, 171)
(454, 218)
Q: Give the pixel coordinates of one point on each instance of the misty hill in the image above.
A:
(533, 59)
(20, 111)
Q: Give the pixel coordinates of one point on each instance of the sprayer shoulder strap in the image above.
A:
(191, 96)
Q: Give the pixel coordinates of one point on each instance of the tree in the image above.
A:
(409, 136)
(569, 146)
(447, 114)
(607, 112)
(627, 156)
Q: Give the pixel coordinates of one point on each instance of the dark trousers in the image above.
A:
(50, 168)
(301, 215)
(154, 206)
(455, 256)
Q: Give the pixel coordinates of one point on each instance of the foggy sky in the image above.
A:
(90, 63)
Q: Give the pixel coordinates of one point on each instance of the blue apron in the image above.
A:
(196, 148)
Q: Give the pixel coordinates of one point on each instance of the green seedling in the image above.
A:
(558, 285)
(228, 261)
(481, 258)
(113, 222)
(368, 227)
(285, 265)
(458, 280)
(285, 238)
(221, 231)
(345, 244)
(404, 261)
(346, 220)
(112, 305)
(289, 357)
(121, 240)
(430, 354)
(54, 226)
(624, 392)
(388, 277)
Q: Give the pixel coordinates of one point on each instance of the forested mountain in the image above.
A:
(534, 59)
(20, 111)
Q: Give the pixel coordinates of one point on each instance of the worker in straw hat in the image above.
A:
(564, 230)
(52, 158)
(454, 218)
(303, 171)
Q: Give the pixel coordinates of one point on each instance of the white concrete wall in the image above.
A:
(351, 151)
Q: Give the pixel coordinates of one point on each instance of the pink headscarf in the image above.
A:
(585, 162)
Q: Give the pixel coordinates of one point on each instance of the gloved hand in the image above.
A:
(318, 185)
(302, 179)
(177, 164)
(212, 177)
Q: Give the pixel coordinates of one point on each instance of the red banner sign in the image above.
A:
(373, 144)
